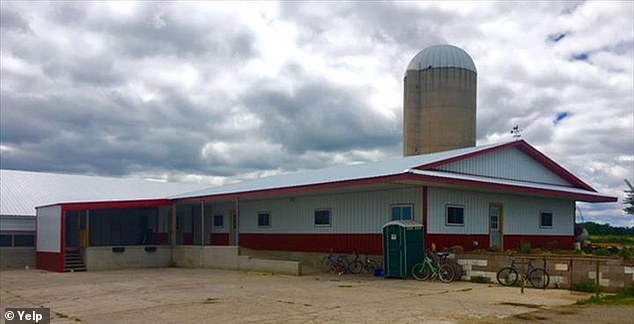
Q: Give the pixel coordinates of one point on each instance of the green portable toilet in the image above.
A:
(402, 247)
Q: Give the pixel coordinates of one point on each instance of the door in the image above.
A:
(393, 253)
(495, 225)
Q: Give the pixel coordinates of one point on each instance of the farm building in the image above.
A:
(22, 191)
(479, 197)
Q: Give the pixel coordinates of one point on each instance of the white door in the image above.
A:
(495, 220)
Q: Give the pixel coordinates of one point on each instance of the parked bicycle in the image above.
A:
(335, 263)
(430, 269)
(443, 258)
(537, 277)
(369, 265)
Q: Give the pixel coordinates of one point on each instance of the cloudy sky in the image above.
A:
(212, 92)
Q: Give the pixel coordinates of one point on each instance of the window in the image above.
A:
(402, 212)
(546, 219)
(24, 240)
(264, 219)
(322, 217)
(5, 240)
(219, 221)
(455, 215)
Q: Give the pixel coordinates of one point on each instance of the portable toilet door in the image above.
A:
(393, 251)
(402, 247)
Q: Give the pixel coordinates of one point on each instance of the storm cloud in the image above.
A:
(214, 93)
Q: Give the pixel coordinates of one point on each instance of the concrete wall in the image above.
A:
(227, 257)
(17, 257)
(520, 213)
(102, 258)
(439, 110)
(614, 273)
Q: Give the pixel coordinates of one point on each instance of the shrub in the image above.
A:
(602, 252)
(525, 247)
(585, 287)
(625, 254)
(551, 245)
(480, 279)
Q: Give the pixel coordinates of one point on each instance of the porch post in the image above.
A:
(173, 226)
(237, 221)
(87, 227)
(202, 222)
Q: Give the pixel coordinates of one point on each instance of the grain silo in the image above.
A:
(440, 101)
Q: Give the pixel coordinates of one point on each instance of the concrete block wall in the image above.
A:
(17, 258)
(228, 257)
(102, 258)
(614, 274)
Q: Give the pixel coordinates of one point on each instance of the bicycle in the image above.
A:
(335, 263)
(369, 265)
(537, 277)
(443, 258)
(428, 269)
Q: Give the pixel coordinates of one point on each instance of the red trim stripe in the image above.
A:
(116, 204)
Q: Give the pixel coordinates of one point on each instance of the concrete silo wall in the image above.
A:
(439, 110)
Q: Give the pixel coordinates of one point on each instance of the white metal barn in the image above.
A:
(480, 197)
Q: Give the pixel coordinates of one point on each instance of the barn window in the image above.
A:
(322, 217)
(24, 240)
(545, 219)
(454, 215)
(219, 221)
(264, 219)
(402, 212)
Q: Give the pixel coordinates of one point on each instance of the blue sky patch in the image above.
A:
(580, 57)
(556, 37)
(560, 117)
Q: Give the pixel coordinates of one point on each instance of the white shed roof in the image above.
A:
(22, 191)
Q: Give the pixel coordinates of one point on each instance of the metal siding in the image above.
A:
(358, 212)
(220, 209)
(521, 213)
(49, 222)
(507, 164)
(17, 224)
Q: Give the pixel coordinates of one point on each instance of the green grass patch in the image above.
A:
(624, 297)
(625, 240)
(481, 279)
(585, 287)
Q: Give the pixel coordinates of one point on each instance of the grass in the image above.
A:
(625, 297)
(625, 240)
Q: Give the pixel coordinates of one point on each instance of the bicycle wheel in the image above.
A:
(507, 276)
(355, 267)
(326, 263)
(421, 271)
(446, 273)
(539, 278)
(371, 266)
(458, 271)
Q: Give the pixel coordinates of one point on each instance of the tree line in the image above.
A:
(606, 229)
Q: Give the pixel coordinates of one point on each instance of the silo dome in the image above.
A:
(442, 56)
(439, 108)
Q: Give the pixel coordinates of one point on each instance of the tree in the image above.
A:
(629, 200)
